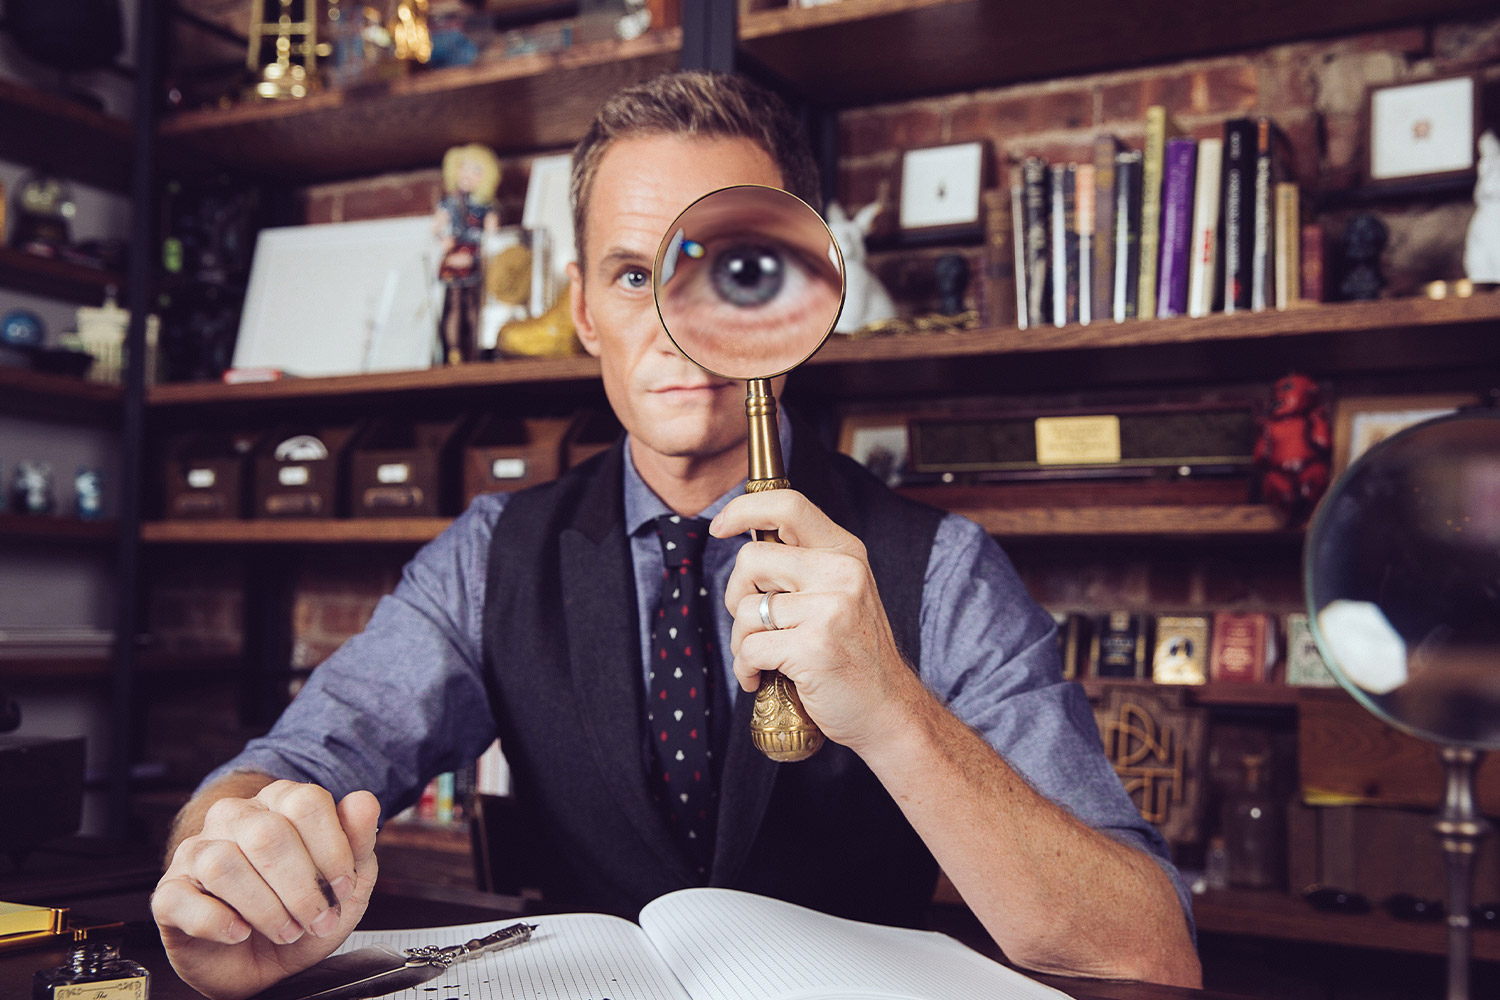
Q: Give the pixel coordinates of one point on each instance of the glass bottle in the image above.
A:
(94, 971)
(1216, 865)
(1255, 831)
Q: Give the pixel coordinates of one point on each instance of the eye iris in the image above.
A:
(748, 275)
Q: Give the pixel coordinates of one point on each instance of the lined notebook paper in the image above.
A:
(713, 944)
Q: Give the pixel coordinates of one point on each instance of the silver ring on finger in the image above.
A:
(765, 611)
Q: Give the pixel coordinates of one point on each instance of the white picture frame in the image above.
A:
(1423, 131)
(941, 191)
(342, 298)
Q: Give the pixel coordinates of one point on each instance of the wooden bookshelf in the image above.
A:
(867, 51)
(1270, 694)
(27, 393)
(52, 132)
(69, 668)
(56, 279)
(69, 529)
(1347, 328)
(522, 104)
(296, 531)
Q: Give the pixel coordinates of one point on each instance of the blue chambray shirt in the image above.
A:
(405, 699)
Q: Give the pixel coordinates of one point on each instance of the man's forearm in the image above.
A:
(1055, 894)
(189, 821)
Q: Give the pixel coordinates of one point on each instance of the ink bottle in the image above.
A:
(94, 971)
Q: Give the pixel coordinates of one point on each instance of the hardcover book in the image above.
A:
(1241, 646)
(1102, 248)
(996, 297)
(1178, 181)
(1159, 128)
(1181, 650)
(1018, 240)
(1118, 646)
(1202, 286)
(1036, 180)
(1272, 165)
(1064, 245)
(1083, 219)
(1237, 193)
(1127, 235)
(1312, 262)
(1288, 245)
(1305, 666)
(1072, 633)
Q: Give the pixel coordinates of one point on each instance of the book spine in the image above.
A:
(1018, 239)
(1127, 234)
(1205, 246)
(1083, 216)
(1038, 241)
(996, 295)
(1152, 163)
(1064, 245)
(1238, 198)
(1239, 647)
(1288, 245)
(1102, 248)
(1178, 180)
(1312, 262)
(1262, 277)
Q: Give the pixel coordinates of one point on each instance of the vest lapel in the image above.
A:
(599, 610)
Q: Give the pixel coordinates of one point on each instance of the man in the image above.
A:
(521, 620)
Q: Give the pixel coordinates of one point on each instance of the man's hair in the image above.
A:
(695, 103)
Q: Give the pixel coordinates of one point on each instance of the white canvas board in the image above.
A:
(1424, 128)
(342, 298)
(548, 208)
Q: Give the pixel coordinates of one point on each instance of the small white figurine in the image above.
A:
(865, 299)
(1482, 252)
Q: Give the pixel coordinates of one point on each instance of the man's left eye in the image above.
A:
(635, 278)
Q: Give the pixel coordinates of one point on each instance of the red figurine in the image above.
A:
(1293, 449)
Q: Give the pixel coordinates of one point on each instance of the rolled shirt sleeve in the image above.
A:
(405, 698)
(989, 652)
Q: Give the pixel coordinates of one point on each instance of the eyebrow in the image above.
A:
(617, 256)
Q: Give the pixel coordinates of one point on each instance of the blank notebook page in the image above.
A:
(576, 956)
(728, 945)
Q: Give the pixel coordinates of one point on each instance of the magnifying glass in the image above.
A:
(749, 282)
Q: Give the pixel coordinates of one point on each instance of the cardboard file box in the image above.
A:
(299, 471)
(404, 468)
(502, 454)
(207, 475)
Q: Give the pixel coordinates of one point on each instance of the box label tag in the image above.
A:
(508, 468)
(292, 475)
(111, 989)
(393, 472)
(200, 479)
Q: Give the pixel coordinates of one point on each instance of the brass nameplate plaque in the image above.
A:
(1078, 440)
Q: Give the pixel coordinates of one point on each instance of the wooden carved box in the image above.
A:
(401, 468)
(1157, 746)
(299, 471)
(502, 454)
(207, 475)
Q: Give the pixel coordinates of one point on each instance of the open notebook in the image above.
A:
(713, 944)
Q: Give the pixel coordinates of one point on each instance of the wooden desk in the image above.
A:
(408, 905)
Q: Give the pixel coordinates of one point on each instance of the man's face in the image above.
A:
(670, 406)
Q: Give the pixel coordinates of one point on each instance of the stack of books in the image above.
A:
(1183, 227)
(22, 925)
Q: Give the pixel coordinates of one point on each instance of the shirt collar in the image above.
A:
(643, 506)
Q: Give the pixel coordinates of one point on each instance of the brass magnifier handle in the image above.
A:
(779, 726)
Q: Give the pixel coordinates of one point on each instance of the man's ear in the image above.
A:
(583, 323)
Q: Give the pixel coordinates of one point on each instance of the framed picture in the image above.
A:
(1423, 131)
(877, 441)
(941, 189)
(1361, 422)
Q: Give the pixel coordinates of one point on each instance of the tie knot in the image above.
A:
(682, 539)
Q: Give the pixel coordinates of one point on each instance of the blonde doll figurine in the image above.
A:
(463, 218)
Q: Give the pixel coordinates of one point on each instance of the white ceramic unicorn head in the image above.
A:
(1482, 250)
(865, 299)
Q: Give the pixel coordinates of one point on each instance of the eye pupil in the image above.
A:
(748, 275)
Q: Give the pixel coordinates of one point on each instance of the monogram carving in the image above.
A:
(1157, 748)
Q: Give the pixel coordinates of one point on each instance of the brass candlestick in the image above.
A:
(780, 727)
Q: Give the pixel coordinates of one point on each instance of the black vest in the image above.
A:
(561, 645)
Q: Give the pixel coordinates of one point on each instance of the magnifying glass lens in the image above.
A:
(748, 282)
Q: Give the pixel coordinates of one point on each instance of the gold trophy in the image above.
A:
(749, 282)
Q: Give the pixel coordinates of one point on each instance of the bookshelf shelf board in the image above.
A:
(98, 667)
(509, 372)
(1342, 320)
(50, 131)
(56, 528)
(1282, 916)
(543, 101)
(444, 838)
(1122, 520)
(57, 279)
(1270, 694)
(27, 393)
(301, 531)
(867, 51)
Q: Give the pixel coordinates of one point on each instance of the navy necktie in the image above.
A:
(682, 681)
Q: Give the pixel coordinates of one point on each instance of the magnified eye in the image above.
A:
(748, 275)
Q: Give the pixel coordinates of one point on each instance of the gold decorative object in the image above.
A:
(283, 51)
(723, 294)
(550, 335)
(1157, 748)
(410, 32)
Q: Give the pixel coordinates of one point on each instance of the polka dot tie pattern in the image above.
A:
(682, 670)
